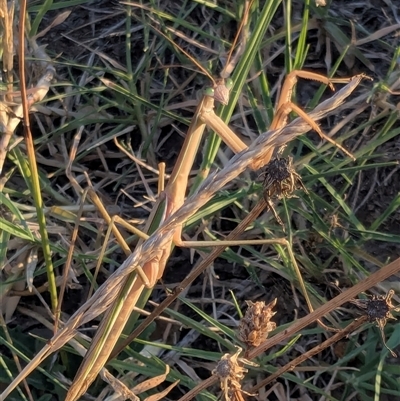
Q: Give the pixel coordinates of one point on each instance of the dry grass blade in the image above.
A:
(149, 249)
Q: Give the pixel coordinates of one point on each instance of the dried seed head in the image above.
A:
(379, 309)
(228, 367)
(256, 323)
(230, 373)
(281, 179)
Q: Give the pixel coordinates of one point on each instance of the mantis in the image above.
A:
(171, 200)
(119, 306)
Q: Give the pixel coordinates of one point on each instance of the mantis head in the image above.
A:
(220, 91)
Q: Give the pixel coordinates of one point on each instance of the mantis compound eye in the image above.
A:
(209, 92)
(229, 83)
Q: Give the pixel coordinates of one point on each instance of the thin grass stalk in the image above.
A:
(35, 188)
(137, 107)
(15, 357)
(301, 50)
(288, 36)
(44, 8)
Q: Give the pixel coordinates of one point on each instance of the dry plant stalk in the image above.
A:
(149, 250)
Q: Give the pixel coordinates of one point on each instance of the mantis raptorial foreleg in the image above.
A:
(283, 108)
